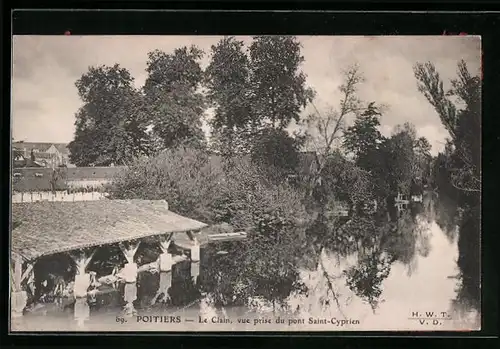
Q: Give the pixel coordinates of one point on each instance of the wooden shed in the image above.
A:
(79, 228)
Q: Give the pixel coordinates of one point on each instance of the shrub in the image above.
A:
(184, 178)
(235, 193)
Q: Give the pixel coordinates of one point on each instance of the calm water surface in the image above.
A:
(425, 283)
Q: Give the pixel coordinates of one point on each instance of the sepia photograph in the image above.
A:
(245, 183)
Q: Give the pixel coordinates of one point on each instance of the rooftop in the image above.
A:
(35, 179)
(44, 228)
(38, 179)
(41, 146)
(44, 155)
(92, 173)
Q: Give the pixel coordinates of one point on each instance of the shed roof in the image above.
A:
(38, 179)
(44, 228)
(89, 173)
(62, 147)
(35, 179)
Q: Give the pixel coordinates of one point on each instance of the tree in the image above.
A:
(184, 177)
(239, 195)
(18, 159)
(462, 160)
(111, 125)
(423, 159)
(400, 156)
(227, 80)
(272, 214)
(325, 130)
(173, 96)
(345, 182)
(423, 147)
(278, 86)
(462, 122)
(370, 149)
(363, 137)
(277, 152)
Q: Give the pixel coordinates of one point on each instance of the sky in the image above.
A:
(45, 69)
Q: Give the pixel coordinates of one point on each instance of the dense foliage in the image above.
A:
(111, 124)
(277, 152)
(174, 103)
(237, 194)
(342, 201)
(228, 83)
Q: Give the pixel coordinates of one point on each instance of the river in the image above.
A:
(363, 290)
(427, 284)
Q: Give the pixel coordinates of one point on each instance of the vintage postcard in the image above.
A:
(255, 183)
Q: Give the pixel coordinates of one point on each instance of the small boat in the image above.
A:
(227, 236)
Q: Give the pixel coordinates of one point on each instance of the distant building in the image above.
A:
(40, 154)
(91, 177)
(61, 184)
(308, 163)
(29, 179)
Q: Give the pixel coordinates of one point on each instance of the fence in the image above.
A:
(18, 197)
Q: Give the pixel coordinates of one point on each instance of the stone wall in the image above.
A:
(56, 196)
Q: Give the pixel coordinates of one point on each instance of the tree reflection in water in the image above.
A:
(463, 223)
(233, 276)
(380, 244)
(376, 243)
(366, 278)
(469, 292)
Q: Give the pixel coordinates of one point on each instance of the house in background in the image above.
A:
(306, 168)
(91, 177)
(61, 184)
(42, 154)
(40, 179)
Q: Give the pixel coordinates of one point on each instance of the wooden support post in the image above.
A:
(81, 286)
(19, 297)
(129, 251)
(165, 259)
(81, 311)
(29, 276)
(17, 273)
(164, 285)
(165, 263)
(129, 274)
(195, 258)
